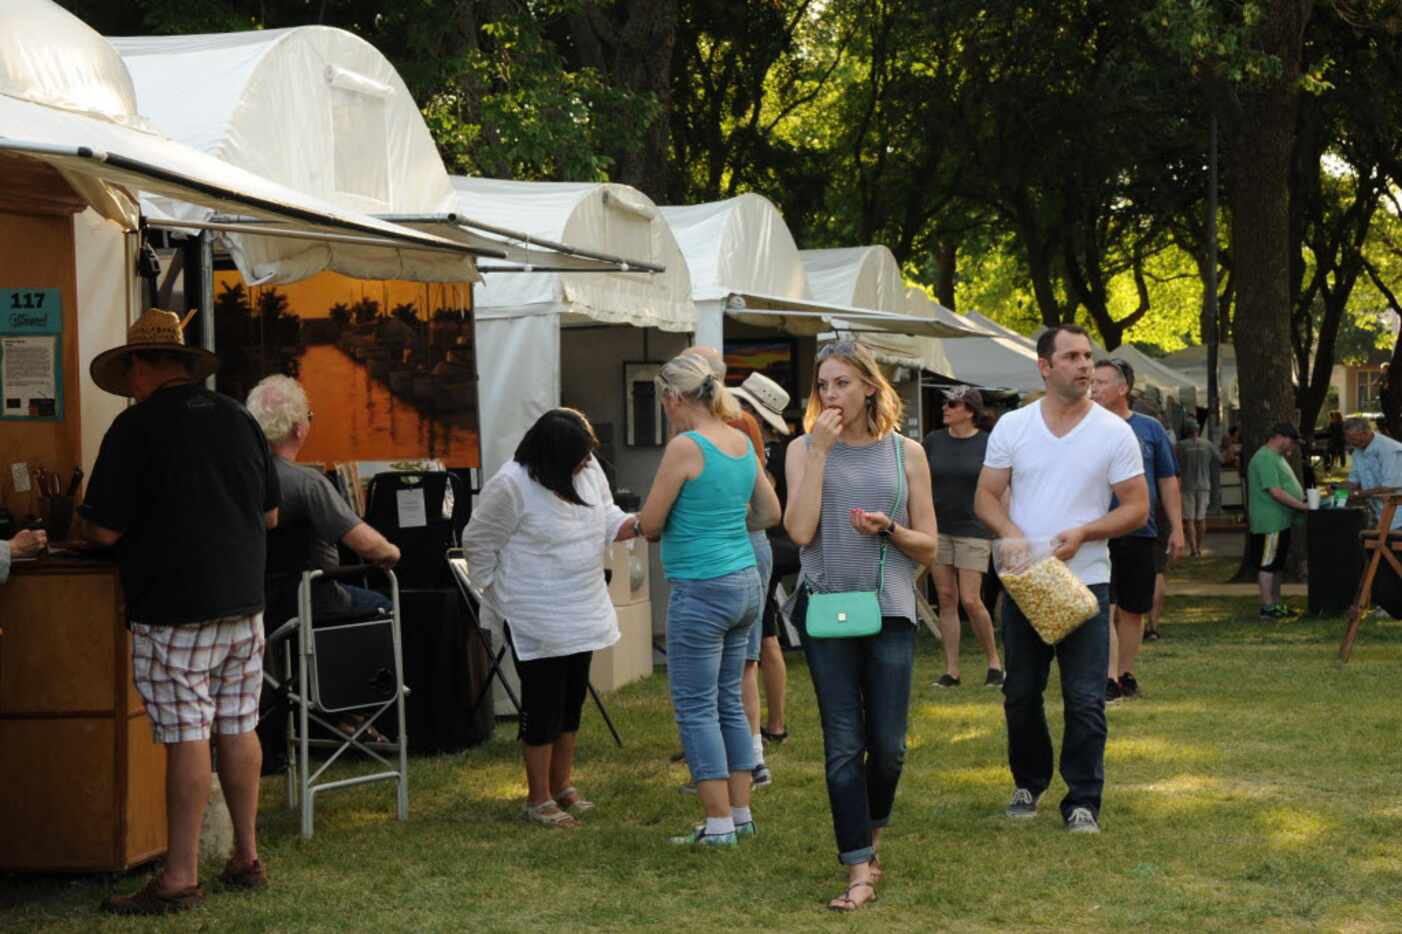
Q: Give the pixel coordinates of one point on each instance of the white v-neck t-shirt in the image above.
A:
(1061, 483)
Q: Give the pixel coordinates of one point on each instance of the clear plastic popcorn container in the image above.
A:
(1052, 598)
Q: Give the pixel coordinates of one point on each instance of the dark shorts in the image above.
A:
(552, 696)
(1270, 549)
(1132, 573)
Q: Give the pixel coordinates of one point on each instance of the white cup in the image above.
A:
(1313, 497)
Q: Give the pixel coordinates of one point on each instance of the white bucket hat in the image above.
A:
(767, 398)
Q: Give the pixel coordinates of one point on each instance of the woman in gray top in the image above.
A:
(955, 455)
(842, 481)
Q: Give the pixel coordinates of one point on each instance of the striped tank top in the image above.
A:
(840, 558)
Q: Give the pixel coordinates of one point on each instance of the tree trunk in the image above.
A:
(945, 265)
(1261, 149)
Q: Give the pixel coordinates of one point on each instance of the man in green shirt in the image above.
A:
(1274, 495)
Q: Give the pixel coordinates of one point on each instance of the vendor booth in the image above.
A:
(79, 161)
(591, 339)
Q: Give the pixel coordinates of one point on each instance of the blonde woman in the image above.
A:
(843, 480)
(707, 484)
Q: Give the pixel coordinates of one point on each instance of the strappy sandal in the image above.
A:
(877, 873)
(569, 800)
(550, 815)
(845, 902)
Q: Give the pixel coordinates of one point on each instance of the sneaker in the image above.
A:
(946, 681)
(994, 678)
(762, 776)
(699, 837)
(1113, 694)
(1082, 821)
(1151, 636)
(1129, 688)
(1023, 804)
(774, 739)
(1282, 611)
(747, 829)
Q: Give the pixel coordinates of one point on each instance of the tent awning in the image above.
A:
(109, 163)
(530, 254)
(809, 318)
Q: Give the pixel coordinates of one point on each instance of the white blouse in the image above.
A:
(540, 561)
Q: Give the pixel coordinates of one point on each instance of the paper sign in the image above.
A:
(20, 474)
(28, 376)
(413, 511)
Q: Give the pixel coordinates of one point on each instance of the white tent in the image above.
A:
(66, 99)
(869, 277)
(1192, 363)
(1006, 361)
(520, 314)
(744, 263)
(318, 110)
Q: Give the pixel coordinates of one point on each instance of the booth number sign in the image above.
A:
(31, 354)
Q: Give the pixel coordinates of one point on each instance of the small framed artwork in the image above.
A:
(774, 357)
(646, 426)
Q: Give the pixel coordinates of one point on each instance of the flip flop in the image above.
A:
(836, 903)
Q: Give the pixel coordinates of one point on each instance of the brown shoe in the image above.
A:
(250, 877)
(150, 900)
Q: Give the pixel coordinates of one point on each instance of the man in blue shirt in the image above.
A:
(1132, 568)
(1377, 463)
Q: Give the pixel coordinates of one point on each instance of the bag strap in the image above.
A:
(895, 504)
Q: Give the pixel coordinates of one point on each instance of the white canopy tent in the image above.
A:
(66, 99)
(1192, 363)
(744, 263)
(520, 314)
(316, 109)
(1006, 361)
(869, 277)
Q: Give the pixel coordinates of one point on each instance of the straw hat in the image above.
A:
(154, 330)
(767, 398)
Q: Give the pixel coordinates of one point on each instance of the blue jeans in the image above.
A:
(863, 689)
(363, 598)
(764, 561)
(1083, 658)
(708, 625)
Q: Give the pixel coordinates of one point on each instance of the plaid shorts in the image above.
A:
(200, 676)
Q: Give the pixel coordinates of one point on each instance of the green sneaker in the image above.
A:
(699, 837)
(747, 829)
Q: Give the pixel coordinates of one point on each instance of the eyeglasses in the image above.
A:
(952, 403)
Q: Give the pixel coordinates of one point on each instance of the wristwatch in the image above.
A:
(889, 530)
(637, 526)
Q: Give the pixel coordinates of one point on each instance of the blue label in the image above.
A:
(30, 311)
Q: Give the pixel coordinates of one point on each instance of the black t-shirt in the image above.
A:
(186, 477)
(955, 464)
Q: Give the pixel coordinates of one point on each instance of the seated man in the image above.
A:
(1377, 464)
(280, 405)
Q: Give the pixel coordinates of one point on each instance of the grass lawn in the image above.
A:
(1249, 790)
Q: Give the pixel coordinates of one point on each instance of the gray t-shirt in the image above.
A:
(1195, 459)
(955, 464)
(308, 497)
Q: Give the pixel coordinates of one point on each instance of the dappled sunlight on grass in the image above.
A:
(956, 712)
(992, 776)
(1159, 749)
(1292, 828)
(965, 736)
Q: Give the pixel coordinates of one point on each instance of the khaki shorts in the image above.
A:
(1195, 504)
(971, 554)
(200, 677)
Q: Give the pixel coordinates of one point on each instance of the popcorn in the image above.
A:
(1052, 598)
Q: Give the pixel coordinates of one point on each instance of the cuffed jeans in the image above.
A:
(708, 631)
(1083, 658)
(863, 690)
(764, 563)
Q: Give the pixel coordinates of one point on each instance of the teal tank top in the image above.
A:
(705, 536)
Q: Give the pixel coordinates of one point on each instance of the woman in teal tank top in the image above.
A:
(708, 494)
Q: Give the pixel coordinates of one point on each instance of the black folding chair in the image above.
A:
(473, 597)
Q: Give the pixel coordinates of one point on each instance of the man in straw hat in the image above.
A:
(765, 399)
(185, 488)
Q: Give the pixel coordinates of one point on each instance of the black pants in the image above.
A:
(552, 695)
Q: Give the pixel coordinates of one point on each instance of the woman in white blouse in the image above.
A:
(536, 545)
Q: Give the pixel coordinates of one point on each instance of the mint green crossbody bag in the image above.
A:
(855, 613)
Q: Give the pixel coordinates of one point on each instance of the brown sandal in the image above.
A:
(150, 900)
(837, 904)
(550, 815)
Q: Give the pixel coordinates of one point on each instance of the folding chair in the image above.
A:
(473, 596)
(346, 662)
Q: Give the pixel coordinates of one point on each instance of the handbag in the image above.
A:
(852, 614)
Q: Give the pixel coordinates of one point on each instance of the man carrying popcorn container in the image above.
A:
(1063, 458)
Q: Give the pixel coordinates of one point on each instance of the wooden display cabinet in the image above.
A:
(82, 782)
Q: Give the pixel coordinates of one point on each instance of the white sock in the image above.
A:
(757, 742)
(740, 815)
(717, 825)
